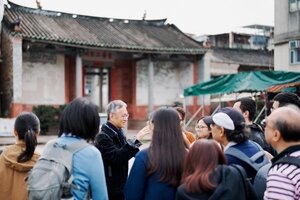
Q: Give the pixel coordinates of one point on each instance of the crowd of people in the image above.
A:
(227, 157)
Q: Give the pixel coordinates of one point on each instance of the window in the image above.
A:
(294, 51)
(294, 5)
(295, 56)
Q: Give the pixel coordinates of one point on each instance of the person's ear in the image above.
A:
(111, 115)
(246, 114)
(276, 136)
(222, 133)
(15, 133)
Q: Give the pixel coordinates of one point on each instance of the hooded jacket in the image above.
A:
(13, 174)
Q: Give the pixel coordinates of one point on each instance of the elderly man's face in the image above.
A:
(119, 118)
(270, 127)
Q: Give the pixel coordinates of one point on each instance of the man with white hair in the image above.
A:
(115, 150)
(282, 131)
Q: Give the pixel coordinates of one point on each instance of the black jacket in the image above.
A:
(115, 156)
(257, 135)
(230, 185)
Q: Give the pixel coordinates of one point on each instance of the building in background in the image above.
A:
(51, 57)
(287, 35)
(248, 49)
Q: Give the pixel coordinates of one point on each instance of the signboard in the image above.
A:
(7, 126)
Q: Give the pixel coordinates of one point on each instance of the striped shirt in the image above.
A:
(283, 181)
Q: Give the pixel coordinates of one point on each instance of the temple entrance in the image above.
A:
(97, 85)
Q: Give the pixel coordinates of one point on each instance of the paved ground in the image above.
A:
(43, 139)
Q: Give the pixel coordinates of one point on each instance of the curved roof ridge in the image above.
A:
(14, 6)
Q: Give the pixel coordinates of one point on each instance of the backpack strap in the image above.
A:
(244, 177)
(235, 152)
(55, 147)
(288, 160)
(72, 147)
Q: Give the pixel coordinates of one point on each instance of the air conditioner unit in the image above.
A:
(294, 44)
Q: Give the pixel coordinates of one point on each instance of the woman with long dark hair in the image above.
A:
(157, 170)
(18, 159)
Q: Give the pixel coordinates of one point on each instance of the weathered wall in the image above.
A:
(286, 22)
(170, 78)
(6, 75)
(43, 79)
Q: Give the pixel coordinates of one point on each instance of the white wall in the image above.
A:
(170, 78)
(44, 83)
(281, 59)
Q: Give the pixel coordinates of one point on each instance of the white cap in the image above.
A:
(223, 120)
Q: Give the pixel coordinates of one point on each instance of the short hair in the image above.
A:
(248, 104)
(27, 126)
(240, 133)
(288, 127)
(285, 98)
(80, 118)
(113, 106)
(200, 164)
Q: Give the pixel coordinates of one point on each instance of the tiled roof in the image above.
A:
(244, 57)
(152, 36)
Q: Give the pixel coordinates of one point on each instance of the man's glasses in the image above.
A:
(125, 116)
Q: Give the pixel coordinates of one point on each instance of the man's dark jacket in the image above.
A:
(116, 153)
(257, 135)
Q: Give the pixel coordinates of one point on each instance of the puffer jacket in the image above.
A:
(13, 174)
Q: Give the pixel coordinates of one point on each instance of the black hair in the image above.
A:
(285, 98)
(248, 104)
(239, 134)
(80, 118)
(27, 126)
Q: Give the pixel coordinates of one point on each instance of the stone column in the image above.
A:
(17, 68)
(150, 85)
(78, 75)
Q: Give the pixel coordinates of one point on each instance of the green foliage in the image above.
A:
(49, 116)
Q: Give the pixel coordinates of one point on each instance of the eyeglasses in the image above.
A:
(265, 124)
(201, 127)
(125, 116)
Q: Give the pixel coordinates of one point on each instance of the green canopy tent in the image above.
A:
(257, 81)
(244, 82)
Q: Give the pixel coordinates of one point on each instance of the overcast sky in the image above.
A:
(191, 16)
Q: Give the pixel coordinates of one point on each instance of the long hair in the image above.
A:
(167, 150)
(200, 164)
(27, 126)
(80, 118)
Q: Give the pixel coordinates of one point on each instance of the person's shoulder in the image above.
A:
(254, 127)
(90, 150)
(103, 135)
(142, 153)
(249, 144)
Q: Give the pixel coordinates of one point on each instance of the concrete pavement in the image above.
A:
(43, 139)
